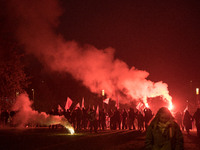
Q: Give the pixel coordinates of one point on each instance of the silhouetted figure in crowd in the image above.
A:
(179, 118)
(164, 133)
(67, 115)
(2, 118)
(93, 120)
(140, 119)
(124, 119)
(111, 116)
(6, 116)
(117, 119)
(12, 114)
(187, 121)
(78, 118)
(196, 117)
(85, 118)
(102, 117)
(148, 115)
(131, 116)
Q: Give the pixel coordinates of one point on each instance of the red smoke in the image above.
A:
(36, 21)
(26, 115)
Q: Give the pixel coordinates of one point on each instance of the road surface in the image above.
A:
(51, 139)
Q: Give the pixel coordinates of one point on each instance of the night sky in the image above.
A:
(159, 37)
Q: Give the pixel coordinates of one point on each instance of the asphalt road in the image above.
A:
(58, 139)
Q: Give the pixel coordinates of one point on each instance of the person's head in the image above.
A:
(164, 115)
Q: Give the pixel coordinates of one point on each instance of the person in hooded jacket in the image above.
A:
(163, 132)
(187, 121)
(196, 117)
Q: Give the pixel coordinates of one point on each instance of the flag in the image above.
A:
(106, 100)
(185, 109)
(117, 103)
(97, 112)
(68, 103)
(59, 108)
(77, 105)
(82, 103)
(139, 106)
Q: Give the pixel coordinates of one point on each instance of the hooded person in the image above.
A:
(164, 133)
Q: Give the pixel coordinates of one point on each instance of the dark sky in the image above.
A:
(161, 37)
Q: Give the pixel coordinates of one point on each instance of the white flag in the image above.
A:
(82, 103)
(59, 108)
(106, 100)
(77, 105)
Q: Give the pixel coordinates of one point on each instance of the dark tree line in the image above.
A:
(13, 79)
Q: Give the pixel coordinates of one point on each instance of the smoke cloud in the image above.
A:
(36, 22)
(25, 115)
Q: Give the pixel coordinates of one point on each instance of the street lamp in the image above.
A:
(33, 94)
(197, 93)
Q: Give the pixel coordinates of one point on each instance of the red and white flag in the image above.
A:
(68, 103)
(82, 105)
(106, 100)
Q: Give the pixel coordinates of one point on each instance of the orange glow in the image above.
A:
(147, 105)
(170, 106)
(103, 93)
(197, 91)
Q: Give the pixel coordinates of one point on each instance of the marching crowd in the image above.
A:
(100, 120)
(119, 119)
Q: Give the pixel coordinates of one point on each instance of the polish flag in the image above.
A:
(68, 103)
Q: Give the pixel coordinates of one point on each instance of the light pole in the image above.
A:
(33, 93)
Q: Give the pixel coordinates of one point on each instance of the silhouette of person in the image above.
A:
(93, 120)
(179, 118)
(196, 117)
(140, 119)
(131, 116)
(187, 121)
(124, 119)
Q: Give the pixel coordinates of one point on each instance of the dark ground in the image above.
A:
(45, 139)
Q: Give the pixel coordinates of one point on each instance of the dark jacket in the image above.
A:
(155, 140)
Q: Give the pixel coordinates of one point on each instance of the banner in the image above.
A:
(59, 108)
(106, 100)
(117, 103)
(68, 103)
(77, 105)
(82, 105)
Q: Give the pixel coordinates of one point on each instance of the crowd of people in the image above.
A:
(118, 119)
(100, 120)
